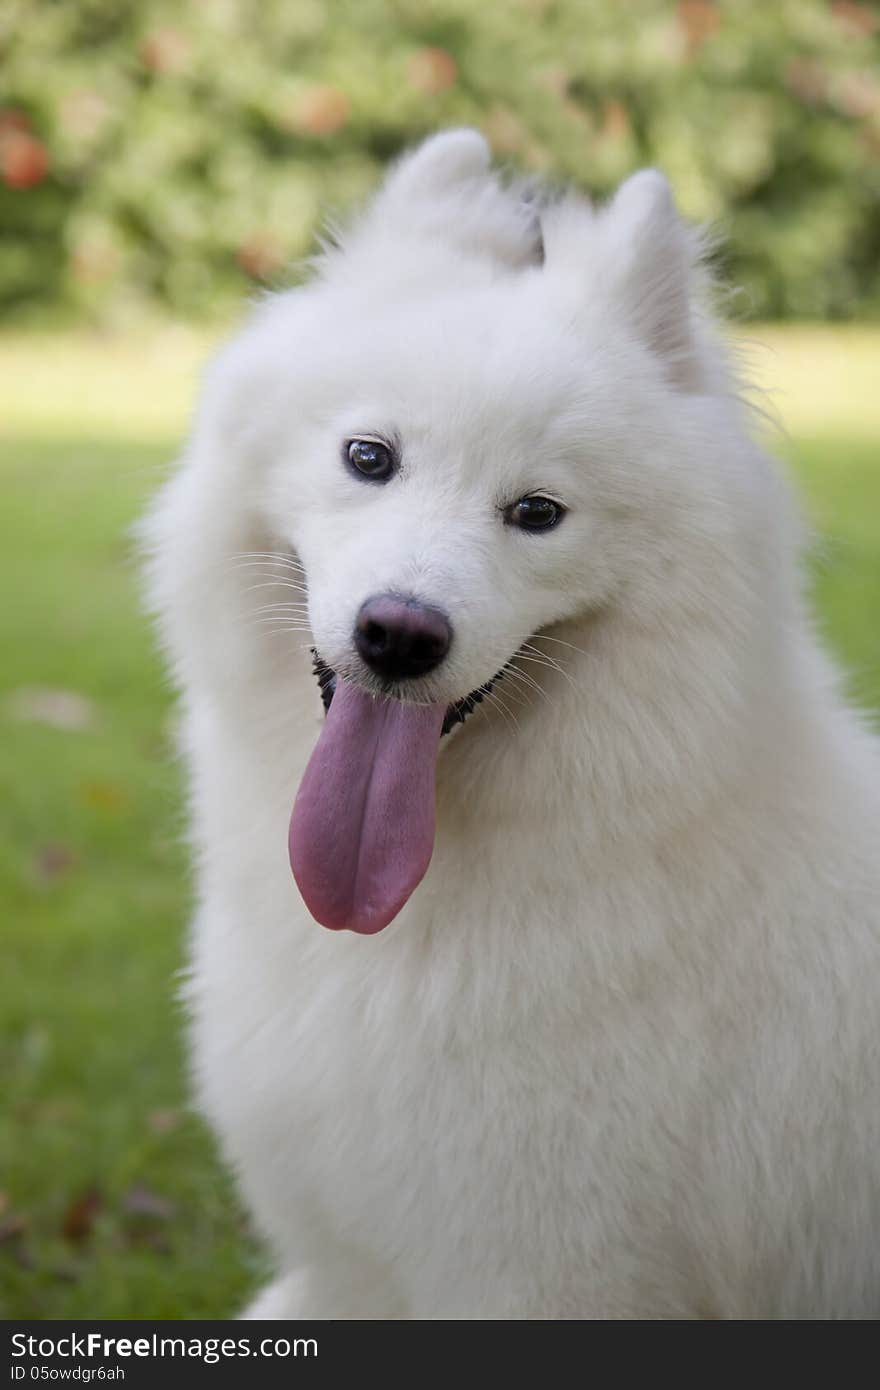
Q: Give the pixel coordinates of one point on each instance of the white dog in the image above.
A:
(617, 1056)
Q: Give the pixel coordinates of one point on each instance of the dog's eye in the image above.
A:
(535, 513)
(370, 459)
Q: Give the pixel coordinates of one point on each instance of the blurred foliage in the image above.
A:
(152, 152)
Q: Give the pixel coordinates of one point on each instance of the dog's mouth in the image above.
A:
(362, 829)
(456, 713)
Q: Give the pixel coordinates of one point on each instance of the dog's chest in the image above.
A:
(412, 1084)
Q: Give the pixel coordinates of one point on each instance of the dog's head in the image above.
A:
(477, 416)
(488, 412)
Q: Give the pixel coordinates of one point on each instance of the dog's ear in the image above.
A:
(641, 260)
(440, 165)
(443, 196)
(653, 270)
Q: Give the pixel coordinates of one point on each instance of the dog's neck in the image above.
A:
(634, 739)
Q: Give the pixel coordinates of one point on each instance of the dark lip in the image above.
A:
(456, 713)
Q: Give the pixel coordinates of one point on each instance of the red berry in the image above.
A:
(24, 160)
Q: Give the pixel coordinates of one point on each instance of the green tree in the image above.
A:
(151, 152)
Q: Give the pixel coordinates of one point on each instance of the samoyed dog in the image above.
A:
(485, 608)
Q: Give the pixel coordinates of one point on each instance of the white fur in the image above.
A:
(617, 1057)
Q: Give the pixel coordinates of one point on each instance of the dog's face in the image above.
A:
(478, 420)
(483, 451)
(446, 466)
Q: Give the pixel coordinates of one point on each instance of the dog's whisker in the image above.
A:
(270, 570)
(268, 566)
(277, 584)
(543, 637)
(298, 619)
(283, 612)
(280, 624)
(509, 717)
(266, 571)
(526, 680)
(513, 673)
(278, 556)
(520, 695)
(496, 704)
(548, 665)
(535, 661)
(523, 685)
(259, 574)
(299, 608)
(299, 598)
(545, 656)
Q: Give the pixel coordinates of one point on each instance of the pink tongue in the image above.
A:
(362, 829)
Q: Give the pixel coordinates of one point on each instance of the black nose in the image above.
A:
(400, 638)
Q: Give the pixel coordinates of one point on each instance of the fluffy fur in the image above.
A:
(617, 1057)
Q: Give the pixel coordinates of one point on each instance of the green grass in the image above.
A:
(93, 876)
(112, 1201)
